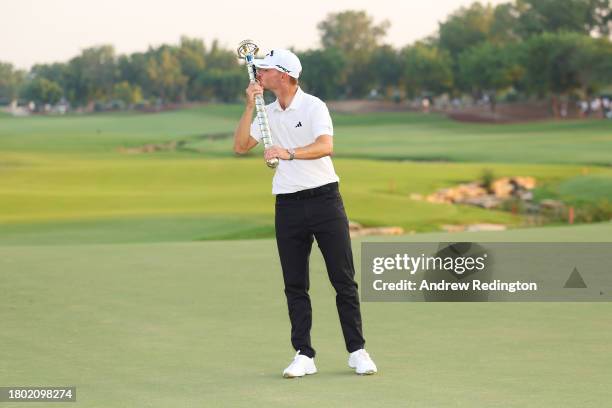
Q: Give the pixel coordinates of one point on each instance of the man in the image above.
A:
(308, 205)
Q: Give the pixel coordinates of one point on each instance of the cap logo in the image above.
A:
(283, 68)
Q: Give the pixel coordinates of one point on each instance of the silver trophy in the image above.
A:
(247, 50)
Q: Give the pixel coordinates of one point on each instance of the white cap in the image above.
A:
(281, 60)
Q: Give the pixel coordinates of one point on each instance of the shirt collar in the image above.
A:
(295, 104)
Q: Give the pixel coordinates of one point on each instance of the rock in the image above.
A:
(486, 227)
(353, 226)
(473, 227)
(474, 194)
(527, 182)
(508, 186)
(488, 201)
(416, 197)
(453, 228)
(357, 230)
(552, 204)
(502, 188)
(377, 231)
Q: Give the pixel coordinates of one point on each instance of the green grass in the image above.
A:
(64, 181)
(107, 283)
(107, 132)
(586, 188)
(443, 140)
(167, 197)
(136, 229)
(205, 324)
(392, 136)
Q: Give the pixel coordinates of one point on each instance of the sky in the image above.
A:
(44, 31)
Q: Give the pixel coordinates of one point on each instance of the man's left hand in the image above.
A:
(276, 151)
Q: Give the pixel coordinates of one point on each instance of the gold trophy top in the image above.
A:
(247, 47)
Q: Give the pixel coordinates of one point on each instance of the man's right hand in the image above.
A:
(253, 90)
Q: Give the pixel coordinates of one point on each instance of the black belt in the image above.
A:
(311, 192)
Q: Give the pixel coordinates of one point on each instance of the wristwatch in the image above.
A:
(291, 153)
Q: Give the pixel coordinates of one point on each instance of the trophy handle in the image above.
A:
(247, 50)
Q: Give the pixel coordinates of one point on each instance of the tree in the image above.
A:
(324, 72)
(594, 60)
(87, 77)
(581, 16)
(465, 28)
(427, 70)
(558, 64)
(504, 25)
(351, 32)
(77, 90)
(129, 94)
(98, 71)
(10, 82)
(219, 58)
(387, 66)
(42, 91)
(133, 69)
(355, 36)
(223, 78)
(221, 85)
(489, 68)
(191, 56)
(166, 76)
(55, 72)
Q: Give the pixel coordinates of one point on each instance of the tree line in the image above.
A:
(522, 48)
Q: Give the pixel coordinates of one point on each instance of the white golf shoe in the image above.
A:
(362, 363)
(300, 366)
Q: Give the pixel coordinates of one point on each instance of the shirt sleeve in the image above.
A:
(321, 121)
(255, 131)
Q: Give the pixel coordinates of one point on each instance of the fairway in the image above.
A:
(152, 280)
(64, 179)
(175, 198)
(205, 324)
(393, 136)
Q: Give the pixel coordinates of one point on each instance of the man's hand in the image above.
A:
(253, 90)
(276, 151)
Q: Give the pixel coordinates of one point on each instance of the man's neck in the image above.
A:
(285, 96)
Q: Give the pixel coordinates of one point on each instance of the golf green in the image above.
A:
(205, 324)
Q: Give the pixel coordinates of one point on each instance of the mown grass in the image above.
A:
(205, 324)
(48, 197)
(64, 178)
(391, 136)
(101, 291)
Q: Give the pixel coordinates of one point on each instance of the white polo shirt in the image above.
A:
(299, 125)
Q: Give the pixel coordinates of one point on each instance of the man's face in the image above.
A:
(269, 78)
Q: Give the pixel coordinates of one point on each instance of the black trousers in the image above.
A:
(300, 218)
